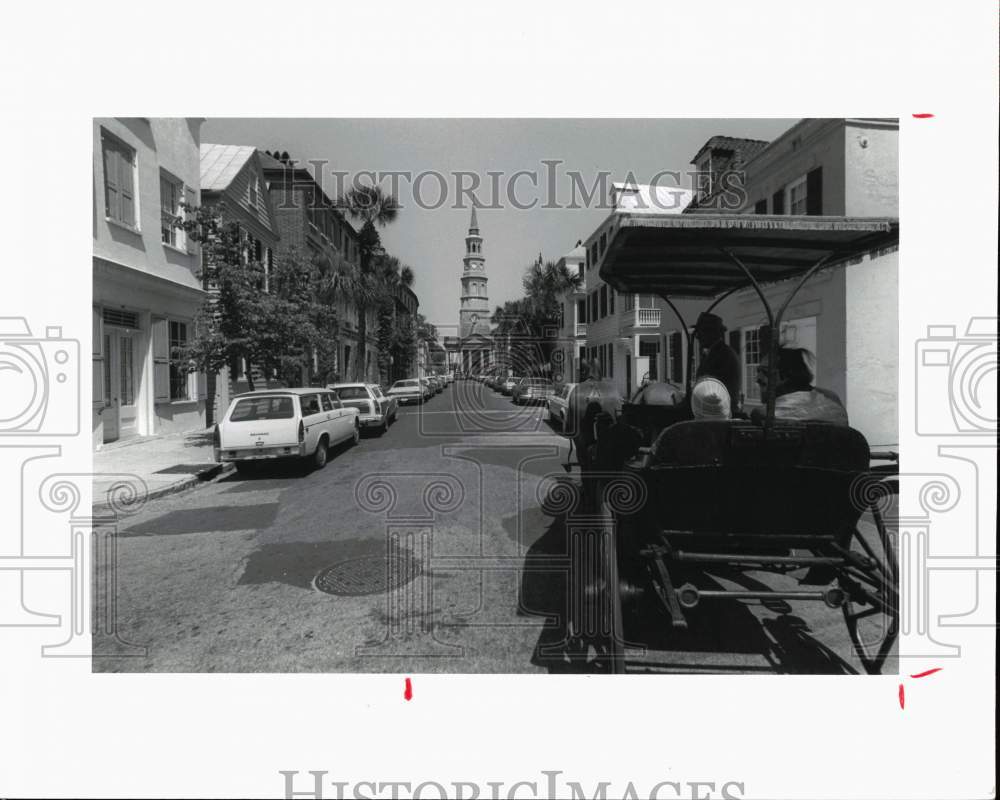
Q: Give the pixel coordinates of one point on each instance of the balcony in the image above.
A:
(640, 318)
(581, 329)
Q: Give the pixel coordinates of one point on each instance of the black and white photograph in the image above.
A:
(517, 417)
(480, 401)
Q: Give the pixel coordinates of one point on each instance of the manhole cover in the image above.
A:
(367, 575)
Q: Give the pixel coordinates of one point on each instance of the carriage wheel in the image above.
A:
(871, 609)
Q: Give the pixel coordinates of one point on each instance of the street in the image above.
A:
(433, 548)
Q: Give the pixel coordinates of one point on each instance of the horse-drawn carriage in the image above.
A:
(692, 497)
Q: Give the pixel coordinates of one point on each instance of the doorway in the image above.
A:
(121, 410)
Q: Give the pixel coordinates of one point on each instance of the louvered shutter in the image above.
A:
(814, 192)
(676, 358)
(97, 347)
(112, 194)
(161, 360)
(126, 183)
(191, 201)
(778, 202)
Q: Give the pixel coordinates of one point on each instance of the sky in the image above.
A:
(429, 232)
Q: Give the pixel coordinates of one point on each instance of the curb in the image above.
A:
(215, 471)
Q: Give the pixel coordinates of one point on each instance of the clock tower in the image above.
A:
(474, 310)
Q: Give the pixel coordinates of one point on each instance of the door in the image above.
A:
(314, 420)
(121, 411)
(342, 420)
(332, 426)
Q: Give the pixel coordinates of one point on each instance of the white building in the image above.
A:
(146, 288)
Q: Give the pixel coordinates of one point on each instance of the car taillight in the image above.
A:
(302, 432)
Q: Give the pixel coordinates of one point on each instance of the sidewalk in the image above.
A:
(166, 464)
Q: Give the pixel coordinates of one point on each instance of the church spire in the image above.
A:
(473, 222)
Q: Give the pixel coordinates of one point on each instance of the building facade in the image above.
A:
(147, 290)
(572, 340)
(233, 183)
(308, 222)
(847, 316)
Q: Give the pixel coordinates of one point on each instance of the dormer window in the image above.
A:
(254, 191)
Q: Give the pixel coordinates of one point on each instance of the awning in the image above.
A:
(687, 255)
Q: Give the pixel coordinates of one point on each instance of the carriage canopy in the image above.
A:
(691, 255)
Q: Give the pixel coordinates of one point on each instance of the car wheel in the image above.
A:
(357, 434)
(382, 431)
(244, 467)
(319, 457)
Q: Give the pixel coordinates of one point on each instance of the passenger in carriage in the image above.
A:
(710, 399)
(718, 359)
(795, 396)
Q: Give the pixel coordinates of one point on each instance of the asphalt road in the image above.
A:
(437, 547)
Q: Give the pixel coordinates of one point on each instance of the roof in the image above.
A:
(279, 392)
(747, 147)
(688, 255)
(578, 252)
(650, 198)
(220, 163)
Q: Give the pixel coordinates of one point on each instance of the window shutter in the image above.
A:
(125, 178)
(112, 194)
(676, 358)
(161, 360)
(778, 202)
(734, 340)
(191, 200)
(97, 392)
(760, 207)
(814, 192)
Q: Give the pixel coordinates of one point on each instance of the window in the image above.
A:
(760, 207)
(795, 196)
(603, 243)
(179, 383)
(794, 333)
(581, 312)
(119, 181)
(327, 401)
(258, 408)
(675, 358)
(650, 349)
(611, 302)
(254, 191)
(604, 300)
(171, 196)
(309, 404)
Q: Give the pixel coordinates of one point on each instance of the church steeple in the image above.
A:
(474, 310)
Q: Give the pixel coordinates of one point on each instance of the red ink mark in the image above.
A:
(902, 696)
(928, 672)
(408, 692)
(922, 116)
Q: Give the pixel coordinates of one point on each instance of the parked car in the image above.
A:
(375, 410)
(429, 390)
(283, 423)
(558, 401)
(408, 391)
(532, 390)
(507, 385)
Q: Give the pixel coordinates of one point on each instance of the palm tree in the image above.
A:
(374, 209)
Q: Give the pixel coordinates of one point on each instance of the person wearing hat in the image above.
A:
(718, 359)
(710, 399)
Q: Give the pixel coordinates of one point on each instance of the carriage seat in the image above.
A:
(740, 443)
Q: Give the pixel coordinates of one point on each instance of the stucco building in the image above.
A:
(847, 315)
(146, 286)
